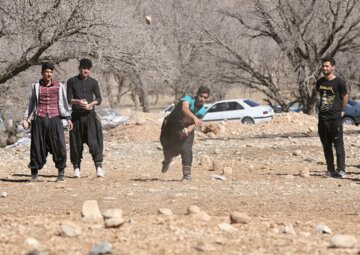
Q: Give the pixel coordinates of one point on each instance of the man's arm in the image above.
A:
(186, 110)
(345, 98)
(96, 90)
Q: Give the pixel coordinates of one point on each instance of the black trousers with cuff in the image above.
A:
(86, 129)
(47, 136)
(331, 133)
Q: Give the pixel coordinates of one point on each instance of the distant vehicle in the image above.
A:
(245, 110)
(110, 118)
(352, 113)
(293, 107)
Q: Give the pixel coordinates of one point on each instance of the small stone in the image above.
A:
(101, 248)
(113, 222)
(37, 252)
(3, 194)
(69, 229)
(227, 171)
(226, 227)
(165, 211)
(251, 167)
(343, 241)
(297, 153)
(323, 229)
(237, 217)
(218, 177)
(304, 173)
(204, 247)
(112, 213)
(289, 229)
(31, 242)
(218, 166)
(91, 211)
(193, 209)
(113, 218)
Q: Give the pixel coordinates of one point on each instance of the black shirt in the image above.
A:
(82, 89)
(330, 97)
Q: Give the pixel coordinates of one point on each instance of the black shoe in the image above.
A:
(60, 178)
(34, 175)
(186, 177)
(166, 165)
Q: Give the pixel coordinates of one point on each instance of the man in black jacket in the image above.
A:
(83, 94)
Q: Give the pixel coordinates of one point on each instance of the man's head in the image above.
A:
(328, 66)
(84, 67)
(202, 95)
(47, 71)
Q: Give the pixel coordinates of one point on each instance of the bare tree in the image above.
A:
(298, 34)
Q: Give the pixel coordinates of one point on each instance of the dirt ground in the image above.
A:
(262, 169)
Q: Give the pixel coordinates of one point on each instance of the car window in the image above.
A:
(226, 106)
(251, 103)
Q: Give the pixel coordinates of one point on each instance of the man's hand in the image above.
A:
(197, 122)
(25, 124)
(83, 103)
(69, 125)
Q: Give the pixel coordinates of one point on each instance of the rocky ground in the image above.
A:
(256, 189)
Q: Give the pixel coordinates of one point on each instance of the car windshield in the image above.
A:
(251, 103)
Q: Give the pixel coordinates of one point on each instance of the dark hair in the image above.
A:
(329, 59)
(85, 63)
(47, 65)
(202, 90)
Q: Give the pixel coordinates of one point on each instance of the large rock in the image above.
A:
(239, 218)
(216, 128)
(101, 249)
(69, 229)
(343, 241)
(165, 211)
(90, 211)
(193, 209)
(113, 218)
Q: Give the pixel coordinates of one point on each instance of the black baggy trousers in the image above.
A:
(86, 129)
(47, 135)
(331, 133)
(174, 144)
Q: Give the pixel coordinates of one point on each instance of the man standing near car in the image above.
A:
(177, 131)
(83, 94)
(333, 100)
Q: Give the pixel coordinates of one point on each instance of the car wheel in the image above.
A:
(348, 121)
(247, 120)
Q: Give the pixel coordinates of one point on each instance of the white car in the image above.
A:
(245, 110)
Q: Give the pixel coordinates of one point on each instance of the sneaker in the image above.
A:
(186, 177)
(341, 174)
(60, 178)
(77, 173)
(166, 164)
(99, 172)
